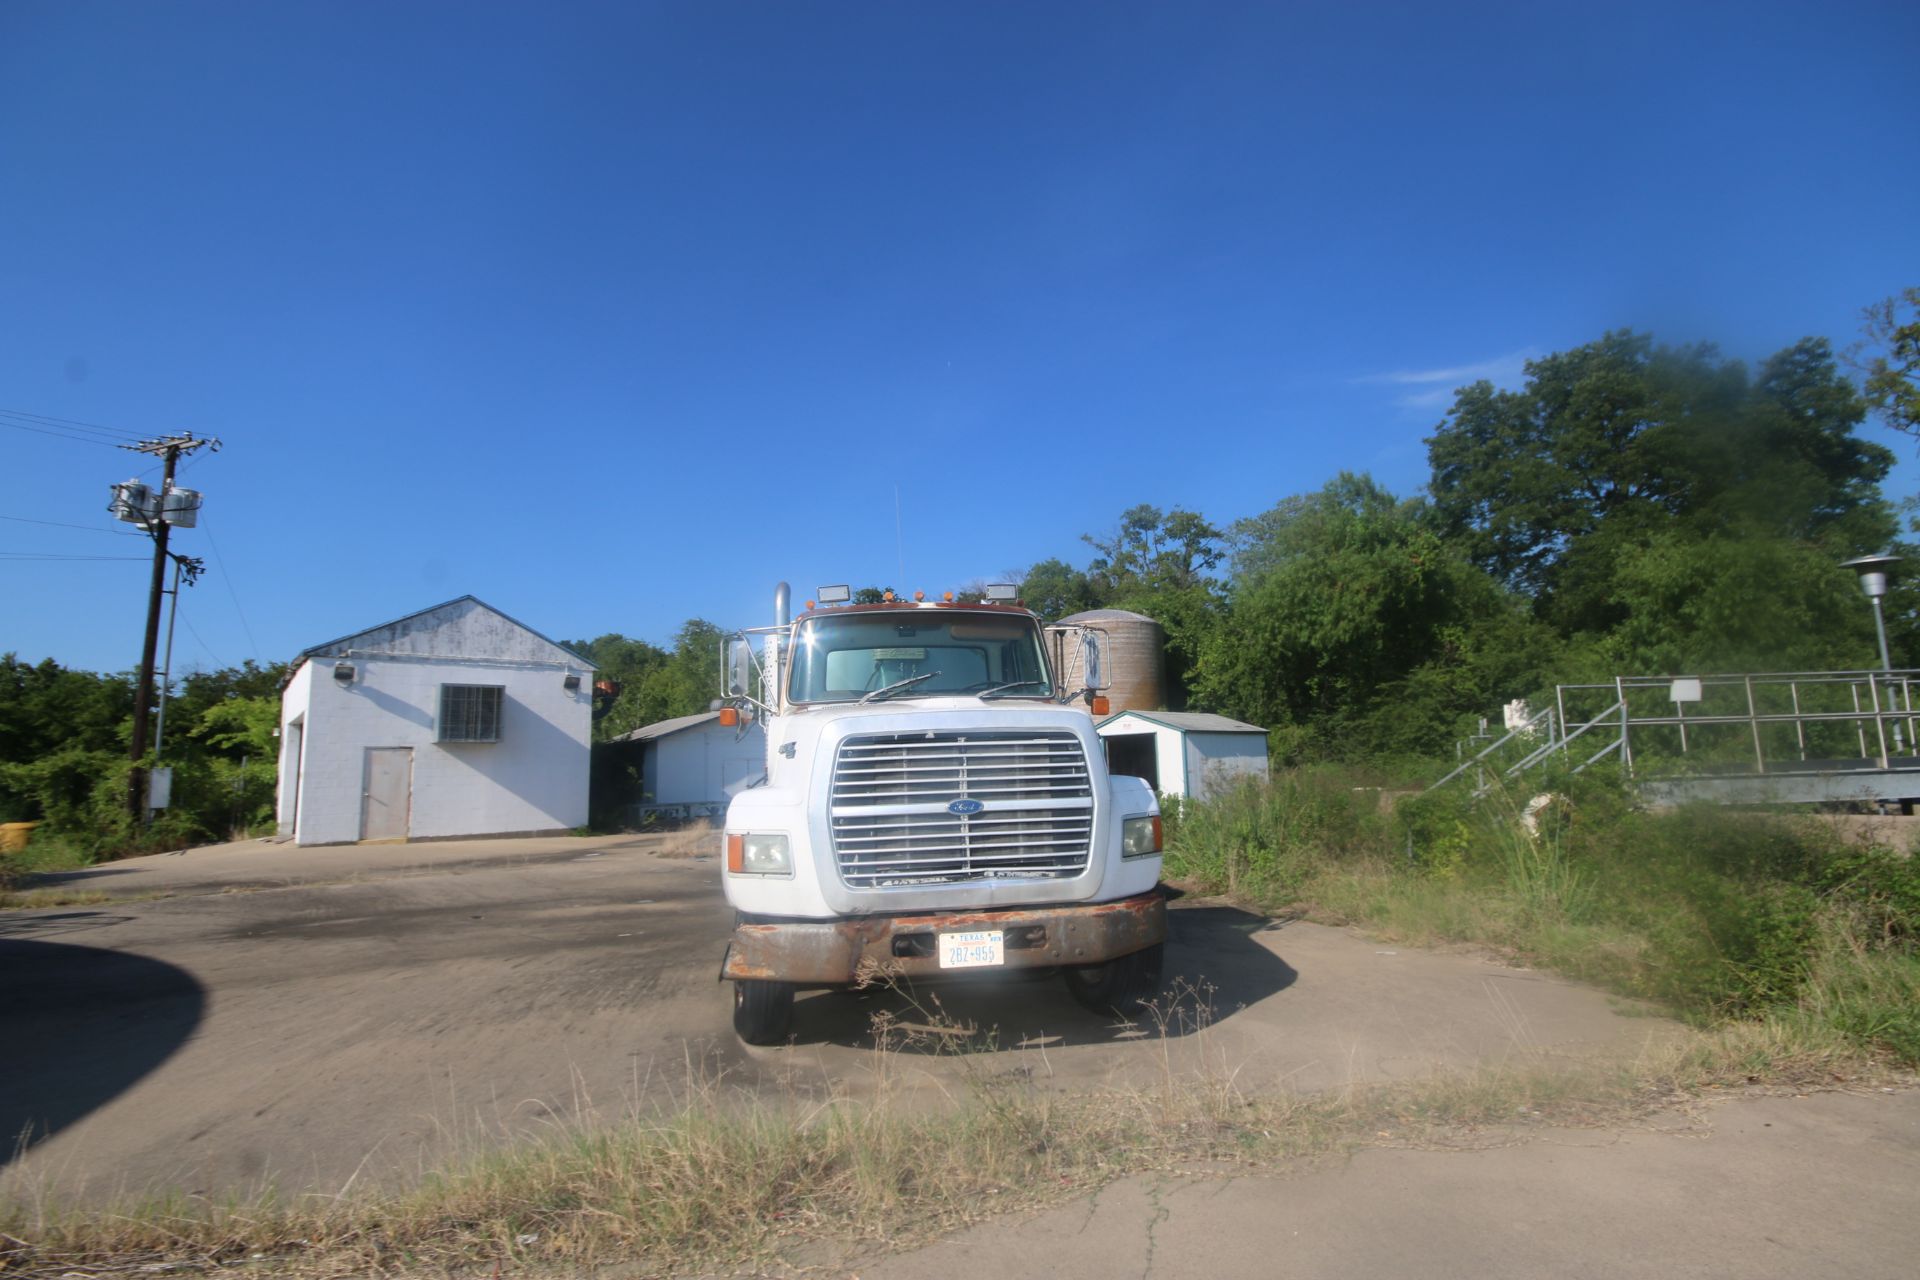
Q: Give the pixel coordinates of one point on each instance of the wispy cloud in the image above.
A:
(1438, 385)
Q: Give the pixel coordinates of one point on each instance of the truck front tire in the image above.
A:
(762, 1010)
(1123, 985)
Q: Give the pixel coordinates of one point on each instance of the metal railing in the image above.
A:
(1740, 725)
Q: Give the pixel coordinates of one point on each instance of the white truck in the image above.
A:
(933, 804)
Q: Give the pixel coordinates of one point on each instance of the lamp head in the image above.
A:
(1873, 572)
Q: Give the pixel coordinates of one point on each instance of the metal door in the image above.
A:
(388, 793)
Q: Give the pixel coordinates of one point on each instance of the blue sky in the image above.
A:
(616, 315)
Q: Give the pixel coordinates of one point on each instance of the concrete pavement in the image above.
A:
(311, 1017)
(1767, 1189)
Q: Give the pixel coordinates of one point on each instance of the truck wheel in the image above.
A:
(762, 1010)
(1122, 986)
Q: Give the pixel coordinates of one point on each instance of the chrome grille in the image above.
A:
(890, 796)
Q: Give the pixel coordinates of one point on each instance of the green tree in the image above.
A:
(1155, 550)
(1551, 488)
(1055, 589)
(626, 663)
(1353, 628)
(1889, 360)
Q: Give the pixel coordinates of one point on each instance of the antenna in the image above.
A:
(899, 545)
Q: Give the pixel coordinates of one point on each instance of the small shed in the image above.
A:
(1184, 753)
(693, 765)
(453, 721)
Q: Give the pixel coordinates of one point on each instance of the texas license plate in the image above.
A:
(972, 950)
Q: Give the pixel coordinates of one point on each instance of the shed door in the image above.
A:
(388, 793)
(1136, 754)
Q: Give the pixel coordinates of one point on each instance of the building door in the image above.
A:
(386, 798)
(290, 749)
(1135, 754)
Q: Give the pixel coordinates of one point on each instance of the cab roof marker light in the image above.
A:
(836, 594)
(918, 596)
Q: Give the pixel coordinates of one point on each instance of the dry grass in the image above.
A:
(727, 1180)
(695, 838)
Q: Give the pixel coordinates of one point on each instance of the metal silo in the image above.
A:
(1136, 655)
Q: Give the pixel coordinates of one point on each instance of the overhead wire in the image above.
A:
(227, 578)
(72, 424)
(38, 555)
(218, 660)
(62, 524)
(63, 435)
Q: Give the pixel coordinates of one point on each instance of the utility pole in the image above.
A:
(170, 449)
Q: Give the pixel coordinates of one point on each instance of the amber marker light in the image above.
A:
(948, 597)
(918, 596)
(1099, 705)
(887, 596)
(729, 717)
(736, 854)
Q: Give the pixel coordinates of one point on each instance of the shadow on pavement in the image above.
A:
(1215, 967)
(82, 1025)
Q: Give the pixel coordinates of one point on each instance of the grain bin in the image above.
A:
(1135, 648)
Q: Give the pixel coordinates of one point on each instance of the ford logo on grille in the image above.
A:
(965, 808)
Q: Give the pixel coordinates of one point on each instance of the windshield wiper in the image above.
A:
(897, 685)
(1011, 684)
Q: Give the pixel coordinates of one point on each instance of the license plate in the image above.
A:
(972, 950)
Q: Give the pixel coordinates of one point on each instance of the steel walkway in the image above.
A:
(1766, 738)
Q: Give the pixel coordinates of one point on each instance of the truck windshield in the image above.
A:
(944, 652)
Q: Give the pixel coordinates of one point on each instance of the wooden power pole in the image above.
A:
(170, 449)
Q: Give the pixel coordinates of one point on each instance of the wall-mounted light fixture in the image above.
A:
(343, 672)
(571, 683)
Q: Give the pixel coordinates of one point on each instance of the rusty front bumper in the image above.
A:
(839, 952)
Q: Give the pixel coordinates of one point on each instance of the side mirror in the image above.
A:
(1093, 659)
(739, 668)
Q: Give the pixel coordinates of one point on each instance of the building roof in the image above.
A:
(661, 728)
(337, 646)
(1188, 721)
(1105, 615)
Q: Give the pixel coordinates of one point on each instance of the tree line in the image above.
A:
(1632, 508)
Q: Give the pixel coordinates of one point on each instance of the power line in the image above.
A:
(228, 579)
(36, 555)
(204, 645)
(62, 524)
(71, 424)
(62, 435)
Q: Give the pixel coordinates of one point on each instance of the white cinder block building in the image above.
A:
(454, 721)
(1184, 753)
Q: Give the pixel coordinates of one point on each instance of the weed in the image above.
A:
(1717, 914)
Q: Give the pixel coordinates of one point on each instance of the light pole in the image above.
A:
(1873, 580)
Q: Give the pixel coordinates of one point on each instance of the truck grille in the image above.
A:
(891, 825)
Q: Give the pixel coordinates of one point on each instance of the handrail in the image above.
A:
(1888, 695)
(1528, 726)
(1560, 744)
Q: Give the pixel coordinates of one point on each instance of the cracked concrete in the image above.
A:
(1772, 1189)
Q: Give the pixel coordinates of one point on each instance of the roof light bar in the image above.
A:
(1002, 592)
(835, 595)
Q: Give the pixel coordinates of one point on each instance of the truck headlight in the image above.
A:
(1140, 837)
(758, 854)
